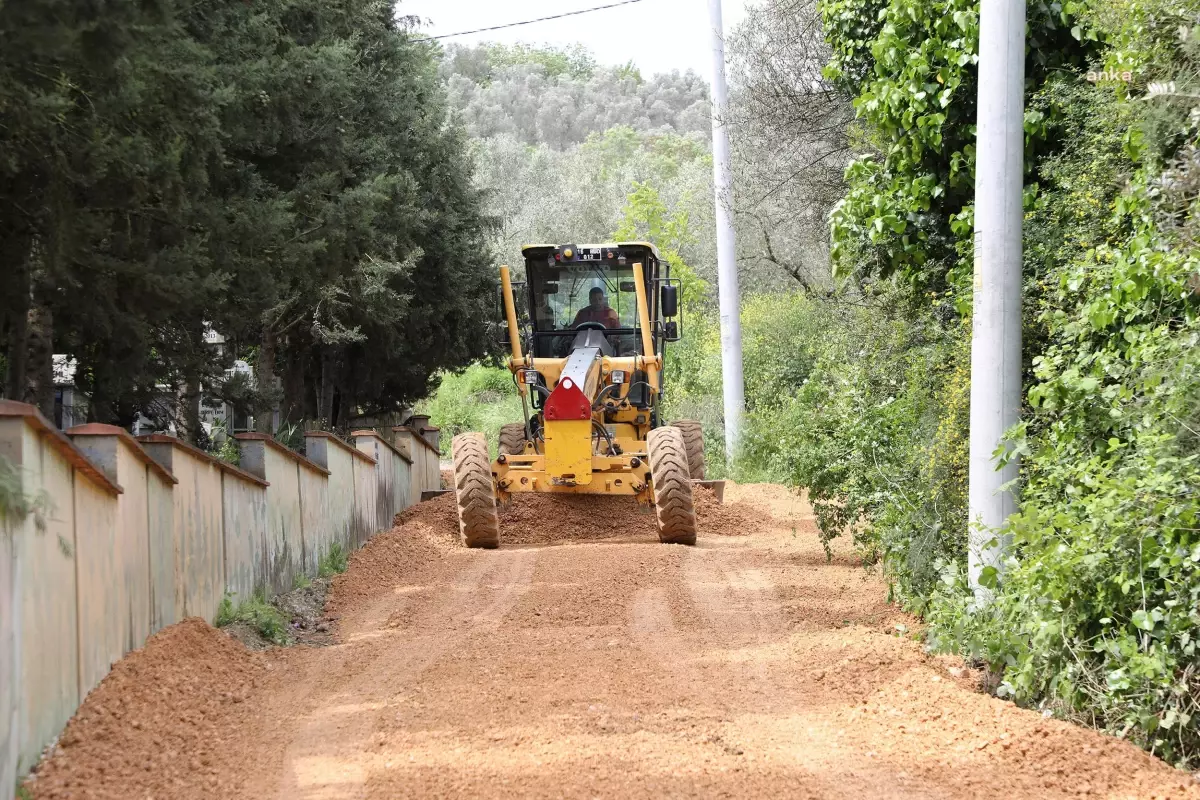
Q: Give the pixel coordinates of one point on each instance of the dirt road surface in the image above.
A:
(584, 659)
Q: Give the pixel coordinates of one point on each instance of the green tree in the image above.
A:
(108, 125)
(912, 70)
(281, 172)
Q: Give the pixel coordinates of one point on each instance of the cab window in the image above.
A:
(563, 292)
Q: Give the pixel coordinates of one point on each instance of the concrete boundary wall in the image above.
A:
(426, 470)
(392, 469)
(47, 656)
(351, 490)
(131, 535)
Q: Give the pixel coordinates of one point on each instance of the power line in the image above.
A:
(529, 21)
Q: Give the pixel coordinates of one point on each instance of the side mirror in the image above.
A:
(503, 334)
(669, 300)
(671, 331)
(628, 287)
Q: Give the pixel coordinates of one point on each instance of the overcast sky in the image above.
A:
(657, 35)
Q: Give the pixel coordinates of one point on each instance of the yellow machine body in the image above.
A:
(569, 452)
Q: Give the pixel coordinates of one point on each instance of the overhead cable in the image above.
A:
(528, 21)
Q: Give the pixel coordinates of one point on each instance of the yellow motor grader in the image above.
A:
(598, 318)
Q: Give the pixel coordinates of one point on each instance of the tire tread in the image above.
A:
(675, 513)
(512, 438)
(693, 442)
(478, 522)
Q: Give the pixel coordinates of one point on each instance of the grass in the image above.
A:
(334, 562)
(480, 398)
(228, 451)
(258, 614)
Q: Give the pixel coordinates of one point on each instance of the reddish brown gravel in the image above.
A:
(584, 659)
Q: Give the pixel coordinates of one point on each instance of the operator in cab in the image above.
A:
(597, 310)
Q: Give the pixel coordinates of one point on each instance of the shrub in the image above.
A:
(481, 398)
(258, 614)
(1098, 610)
(334, 562)
(876, 432)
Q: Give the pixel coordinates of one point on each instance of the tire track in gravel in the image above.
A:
(330, 754)
(741, 617)
(653, 628)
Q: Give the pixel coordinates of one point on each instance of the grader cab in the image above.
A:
(588, 364)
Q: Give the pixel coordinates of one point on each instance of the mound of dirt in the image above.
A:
(423, 533)
(731, 518)
(426, 532)
(545, 519)
(158, 724)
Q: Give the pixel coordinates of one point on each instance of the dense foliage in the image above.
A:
(562, 142)
(1095, 615)
(480, 398)
(1098, 612)
(911, 68)
(281, 172)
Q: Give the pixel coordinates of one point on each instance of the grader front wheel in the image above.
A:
(478, 522)
(674, 512)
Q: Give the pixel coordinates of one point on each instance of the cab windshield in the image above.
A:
(568, 295)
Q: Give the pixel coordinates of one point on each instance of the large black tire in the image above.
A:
(693, 442)
(478, 522)
(674, 512)
(512, 438)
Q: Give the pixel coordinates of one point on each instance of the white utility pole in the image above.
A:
(996, 333)
(728, 294)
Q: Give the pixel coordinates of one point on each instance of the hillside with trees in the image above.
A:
(558, 97)
(562, 141)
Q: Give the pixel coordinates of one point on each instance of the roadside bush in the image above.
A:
(780, 336)
(480, 398)
(334, 562)
(1098, 611)
(256, 613)
(876, 432)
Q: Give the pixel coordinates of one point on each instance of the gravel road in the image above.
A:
(584, 659)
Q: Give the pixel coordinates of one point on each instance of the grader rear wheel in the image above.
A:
(478, 522)
(693, 442)
(674, 512)
(512, 438)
